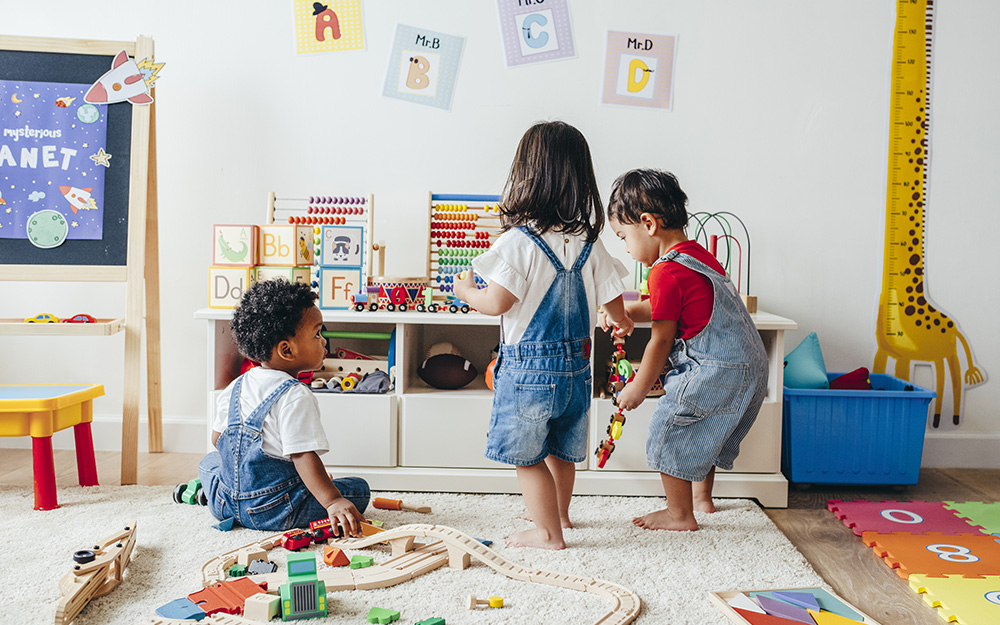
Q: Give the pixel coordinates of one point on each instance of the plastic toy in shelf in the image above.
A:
(80, 318)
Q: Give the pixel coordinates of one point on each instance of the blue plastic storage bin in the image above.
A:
(854, 437)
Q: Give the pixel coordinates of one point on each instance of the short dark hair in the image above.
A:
(270, 312)
(652, 191)
(552, 184)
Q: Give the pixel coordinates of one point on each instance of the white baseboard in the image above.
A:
(961, 450)
(179, 436)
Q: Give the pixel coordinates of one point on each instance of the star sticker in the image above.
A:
(86, 145)
(74, 224)
(101, 158)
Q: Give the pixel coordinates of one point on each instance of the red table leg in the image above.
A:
(86, 464)
(44, 473)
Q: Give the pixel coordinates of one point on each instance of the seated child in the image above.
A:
(718, 374)
(267, 472)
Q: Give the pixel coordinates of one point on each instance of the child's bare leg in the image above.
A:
(564, 474)
(679, 515)
(539, 489)
(702, 493)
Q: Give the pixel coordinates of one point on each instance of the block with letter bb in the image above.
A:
(292, 274)
(226, 285)
(235, 245)
(285, 245)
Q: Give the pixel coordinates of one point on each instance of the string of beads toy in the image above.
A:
(620, 373)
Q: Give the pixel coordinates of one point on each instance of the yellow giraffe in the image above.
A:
(909, 328)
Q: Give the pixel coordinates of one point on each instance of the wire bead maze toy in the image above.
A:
(709, 225)
(620, 373)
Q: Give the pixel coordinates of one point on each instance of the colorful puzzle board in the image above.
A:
(784, 606)
(949, 552)
(461, 227)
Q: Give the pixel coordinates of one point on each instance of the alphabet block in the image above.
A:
(341, 246)
(261, 607)
(286, 245)
(292, 274)
(226, 285)
(337, 286)
(235, 245)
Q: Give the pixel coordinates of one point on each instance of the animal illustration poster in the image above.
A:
(330, 26)
(639, 70)
(423, 66)
(52, 159)
(535, 32)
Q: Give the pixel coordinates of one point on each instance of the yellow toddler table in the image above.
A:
(38, 411)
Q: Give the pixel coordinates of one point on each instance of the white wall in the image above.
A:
(779, 116)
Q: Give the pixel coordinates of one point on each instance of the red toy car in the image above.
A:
(81, 318)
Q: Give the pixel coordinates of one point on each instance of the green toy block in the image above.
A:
(382, 616)
(434, 620)
(362, 562)
(237, 570)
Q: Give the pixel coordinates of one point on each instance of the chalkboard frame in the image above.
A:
(69, 60)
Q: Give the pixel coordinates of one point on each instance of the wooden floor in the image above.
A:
(833, 550)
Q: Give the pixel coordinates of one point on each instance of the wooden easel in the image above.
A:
(141, 271)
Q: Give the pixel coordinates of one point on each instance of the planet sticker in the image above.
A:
(88, 114)
(47, 229)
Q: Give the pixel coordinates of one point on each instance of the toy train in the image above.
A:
(398, 298)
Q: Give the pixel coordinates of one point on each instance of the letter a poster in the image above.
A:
(329, 26)
(52, 162)
(639, 70)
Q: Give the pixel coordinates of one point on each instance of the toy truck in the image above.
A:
(304, 596)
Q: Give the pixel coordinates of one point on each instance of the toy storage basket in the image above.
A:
(855, 436)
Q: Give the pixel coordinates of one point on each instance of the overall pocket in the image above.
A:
(712, 388)
(533, 402)
(272, 515)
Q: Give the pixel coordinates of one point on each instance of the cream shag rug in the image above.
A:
(736, 548)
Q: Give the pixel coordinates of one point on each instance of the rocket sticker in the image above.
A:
(79, 199)
(123, 82)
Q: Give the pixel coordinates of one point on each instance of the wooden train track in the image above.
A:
(96, 578)
(410, 559)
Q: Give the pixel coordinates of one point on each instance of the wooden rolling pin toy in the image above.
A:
(395, 504)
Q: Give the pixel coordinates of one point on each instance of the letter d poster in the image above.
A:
(639, 70)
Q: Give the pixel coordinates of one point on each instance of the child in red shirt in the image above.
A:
(718, 367)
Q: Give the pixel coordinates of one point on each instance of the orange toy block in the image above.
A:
(396, 504)
(334, 556)
(227, 597)
(935, 554)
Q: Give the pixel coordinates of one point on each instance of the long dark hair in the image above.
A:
(552, 184)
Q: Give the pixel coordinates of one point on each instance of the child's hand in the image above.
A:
(465, 283)
(624, 327)
(630, 397)
(602, 319)
(345, 515)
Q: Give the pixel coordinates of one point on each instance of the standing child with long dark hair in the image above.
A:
(547, 273)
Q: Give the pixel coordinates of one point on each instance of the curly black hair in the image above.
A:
(551, 183)
(651, 191)
(269, 313)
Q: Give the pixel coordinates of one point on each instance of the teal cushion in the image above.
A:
(804, 367)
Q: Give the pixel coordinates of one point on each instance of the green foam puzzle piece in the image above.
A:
(434, 620)
(985, 515)
(361, 562)
(382, 615)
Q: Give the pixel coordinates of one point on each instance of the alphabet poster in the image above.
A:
(535, 31)
(328, 26)
(52, 162)
(423, 66)
(639, 69)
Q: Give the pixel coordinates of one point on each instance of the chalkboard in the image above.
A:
(111, 249)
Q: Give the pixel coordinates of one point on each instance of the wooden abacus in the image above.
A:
(460, 228)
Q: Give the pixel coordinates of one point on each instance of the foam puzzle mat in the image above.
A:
(948, 552)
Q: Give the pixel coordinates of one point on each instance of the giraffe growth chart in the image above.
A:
(910, 328)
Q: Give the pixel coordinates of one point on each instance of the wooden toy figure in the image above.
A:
(620, 373)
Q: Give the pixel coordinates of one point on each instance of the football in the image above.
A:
(447, 371)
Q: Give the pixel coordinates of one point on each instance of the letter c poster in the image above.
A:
(639, 70)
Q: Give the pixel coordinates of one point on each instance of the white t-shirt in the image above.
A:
(518, 265)
(293, 426)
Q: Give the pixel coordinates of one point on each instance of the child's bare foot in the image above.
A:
(566, 523)
(535, 538)
(666, 519)
(704, 505)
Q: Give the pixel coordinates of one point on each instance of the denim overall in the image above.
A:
(714, 389)
(542, 384)
(260, 491)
